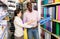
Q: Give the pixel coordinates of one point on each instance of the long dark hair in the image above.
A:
(12, 28)
(17, 12)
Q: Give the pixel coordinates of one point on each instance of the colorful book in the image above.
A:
(52, 37)
(54, 12)
(50, 1)
(42, 2)
(45, 12)
(57, 29)
(54, 27)
(50, 11)
(56, 1)
(48, 26)
(45, 1)
(58, 13)
(45, 15)
(53, 30)
(49, 14)
(47, 35)
(53, 1)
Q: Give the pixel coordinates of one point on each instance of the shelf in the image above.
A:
(56, 21)
(51, 4)
(50, 32)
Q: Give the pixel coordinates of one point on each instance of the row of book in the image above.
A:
(54, 27)
(49, 1)
(53, 12)
(45, 35)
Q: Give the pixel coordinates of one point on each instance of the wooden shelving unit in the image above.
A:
(52, 20)
(56, 21)
(51, 4)
(50, 32)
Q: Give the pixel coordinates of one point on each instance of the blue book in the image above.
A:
(54, 12)
(48, 26)
(45, 12)
(50, 10)
(45, 15)
(45, 1)
(49, 23)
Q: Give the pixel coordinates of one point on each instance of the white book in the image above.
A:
(47, 35)
(50, 11)
(50, 1)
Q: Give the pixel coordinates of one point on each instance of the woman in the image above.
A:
(19, 24)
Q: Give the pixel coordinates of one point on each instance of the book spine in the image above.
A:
(54, 12)
(58, 13)
(53, 30)
(50, 11)
(50, 1)
(45, 15)
(53, 1)
(54, 27)
(57, 1)
(57, 29)
(45, 1)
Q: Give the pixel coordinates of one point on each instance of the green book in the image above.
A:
(57, 29)
(45, 15)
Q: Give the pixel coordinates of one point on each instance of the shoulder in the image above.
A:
(16, 18)
(26, 12)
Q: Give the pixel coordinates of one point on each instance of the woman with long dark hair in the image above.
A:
(18, 23)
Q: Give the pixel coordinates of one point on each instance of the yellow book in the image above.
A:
(56, 12)
(56, 1)
(25, 34)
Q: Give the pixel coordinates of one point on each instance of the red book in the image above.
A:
(53, 1)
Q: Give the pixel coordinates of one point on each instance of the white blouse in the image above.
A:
(19, 26)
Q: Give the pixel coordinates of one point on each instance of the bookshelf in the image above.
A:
(51, 9)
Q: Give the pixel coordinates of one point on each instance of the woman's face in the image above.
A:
(20, 14)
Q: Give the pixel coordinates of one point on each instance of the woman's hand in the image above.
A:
(31, 21)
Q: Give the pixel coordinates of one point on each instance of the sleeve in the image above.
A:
(18, 23)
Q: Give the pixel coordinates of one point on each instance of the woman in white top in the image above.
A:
(19, 24)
